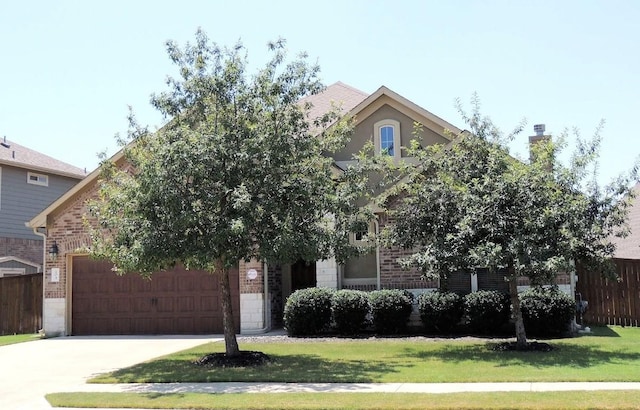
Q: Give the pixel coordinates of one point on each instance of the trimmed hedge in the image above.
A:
(440, 311)
(390, 310)
(308, 311)
(486, 311)
(546, 311)
(349, 310)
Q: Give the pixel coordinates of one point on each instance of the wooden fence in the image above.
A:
(612, 302)
(21, 304)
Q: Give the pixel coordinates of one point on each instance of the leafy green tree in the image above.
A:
(239, 171)
(471, 204)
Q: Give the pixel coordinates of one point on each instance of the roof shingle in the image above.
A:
(343, 95)
(17, 155)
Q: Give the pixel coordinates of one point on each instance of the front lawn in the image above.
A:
(11, 339)
(610, 354)
(379, 401)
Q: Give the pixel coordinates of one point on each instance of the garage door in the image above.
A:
(172, 302)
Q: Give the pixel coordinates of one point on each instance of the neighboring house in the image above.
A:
(29, 181)
(84, 297)
(616, 302)
(629, 247)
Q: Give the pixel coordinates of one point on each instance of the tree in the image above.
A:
(238, 172)
(471, 204)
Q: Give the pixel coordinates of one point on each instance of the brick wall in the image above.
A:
(27, 249)
(392, 275)
(67, 229)
(251, 285)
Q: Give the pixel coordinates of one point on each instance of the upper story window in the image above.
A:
(363, 233)
(37, 179)
(387, 138)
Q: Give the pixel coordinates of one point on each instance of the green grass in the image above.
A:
(11, 339)
(501, 400)
(611, 354)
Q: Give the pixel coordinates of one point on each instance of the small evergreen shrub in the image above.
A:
(546, 311)
(486, 311)
(308, 311)
(440, 311)
(349, 310)
(390, 310)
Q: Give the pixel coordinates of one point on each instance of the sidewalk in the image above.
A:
(236, 387)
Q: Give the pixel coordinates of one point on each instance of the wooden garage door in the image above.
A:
(173, 302)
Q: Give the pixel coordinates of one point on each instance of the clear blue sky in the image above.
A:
(69, 69)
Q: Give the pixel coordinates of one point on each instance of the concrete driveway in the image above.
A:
(30, 370)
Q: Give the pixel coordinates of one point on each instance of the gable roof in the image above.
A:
(19, 260)
(384, 95)
(17, 155)
(350, 100)
(345, 96)
(629, 247)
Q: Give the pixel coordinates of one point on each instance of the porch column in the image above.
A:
(252, 297)
(327, 273)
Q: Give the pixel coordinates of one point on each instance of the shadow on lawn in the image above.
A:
(563, 355)
(302, 368)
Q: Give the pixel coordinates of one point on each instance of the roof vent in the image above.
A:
(4, 142)
(539, 129)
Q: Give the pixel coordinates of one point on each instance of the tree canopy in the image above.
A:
(471, 204)
(239, 171)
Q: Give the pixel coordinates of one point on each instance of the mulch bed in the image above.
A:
(531, 347)
(246, 358)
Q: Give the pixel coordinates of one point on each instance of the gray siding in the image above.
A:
(21, 201)
(19, 265)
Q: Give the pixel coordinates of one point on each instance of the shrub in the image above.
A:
(546, 311)
(486, 311)
(308, 311)
(349, 310)
(390, 310)
(440, 311)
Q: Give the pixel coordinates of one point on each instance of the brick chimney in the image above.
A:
(540, 136)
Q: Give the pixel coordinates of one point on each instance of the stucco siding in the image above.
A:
(21, 201)
(364, 132)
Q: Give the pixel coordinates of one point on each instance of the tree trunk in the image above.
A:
(521, 335)
(230, 341)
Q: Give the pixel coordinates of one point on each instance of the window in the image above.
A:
(387, 138)
(37, 179)
(362, 233)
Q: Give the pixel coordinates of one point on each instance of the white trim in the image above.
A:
(359, 281)
(365, 239)
(7, 272)
(37, 179)
(395, 125)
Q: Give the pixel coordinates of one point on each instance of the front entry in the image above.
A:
(303, 275)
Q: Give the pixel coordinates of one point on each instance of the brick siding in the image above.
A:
(27, 249)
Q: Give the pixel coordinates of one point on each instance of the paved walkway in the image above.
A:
(236, 387)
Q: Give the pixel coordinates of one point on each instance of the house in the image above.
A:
(29, 181)
(83, 296)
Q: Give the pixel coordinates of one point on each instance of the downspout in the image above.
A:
(376, 225)
(572, 281)
(44, 267)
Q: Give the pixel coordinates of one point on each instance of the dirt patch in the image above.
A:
(244, 359)
(530, 347)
